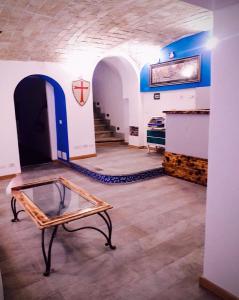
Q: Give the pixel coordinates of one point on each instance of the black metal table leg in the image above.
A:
(108, 222)
(14, 210)
(47, 257)
(62, 197)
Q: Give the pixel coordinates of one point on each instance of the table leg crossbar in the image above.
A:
(108, 222)
(47, 254)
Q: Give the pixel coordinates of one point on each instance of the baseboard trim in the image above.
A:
(10, 176)
(215, 289)
(83, 156)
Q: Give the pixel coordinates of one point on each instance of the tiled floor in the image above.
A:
(159, 233)
(121, 160)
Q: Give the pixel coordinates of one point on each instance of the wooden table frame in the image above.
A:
(43, 222)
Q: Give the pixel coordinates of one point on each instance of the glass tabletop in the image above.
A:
(55, 199)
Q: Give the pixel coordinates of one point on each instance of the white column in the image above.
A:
(221, 261)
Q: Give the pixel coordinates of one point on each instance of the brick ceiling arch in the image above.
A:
(51, 30)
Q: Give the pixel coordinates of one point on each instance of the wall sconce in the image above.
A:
(171, 55)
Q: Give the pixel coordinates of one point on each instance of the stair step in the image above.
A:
(100, 127)
(103, 134)
(108, 139)
(104, 131)
(99, 121)
(110, 144)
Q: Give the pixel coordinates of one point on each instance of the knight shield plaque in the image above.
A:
(81, 90)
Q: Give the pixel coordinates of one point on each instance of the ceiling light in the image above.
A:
(171, 55)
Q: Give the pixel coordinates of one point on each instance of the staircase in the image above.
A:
(105, 134)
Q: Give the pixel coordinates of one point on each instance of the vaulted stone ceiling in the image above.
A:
(51, 30)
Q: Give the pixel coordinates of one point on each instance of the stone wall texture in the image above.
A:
(186, 167)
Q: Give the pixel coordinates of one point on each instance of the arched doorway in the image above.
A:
(42, 134)
(116, 95)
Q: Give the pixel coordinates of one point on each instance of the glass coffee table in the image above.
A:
(55, 202)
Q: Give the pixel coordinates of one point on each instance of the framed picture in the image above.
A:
(176, 71)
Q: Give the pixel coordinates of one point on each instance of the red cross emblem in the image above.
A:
(81, 91)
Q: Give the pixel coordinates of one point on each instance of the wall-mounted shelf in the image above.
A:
(156, 133)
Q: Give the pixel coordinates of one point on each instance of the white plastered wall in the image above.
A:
(188, 134)
(169, 100)
(221, 258)
(80, 119)
(202, 96)
(51, 119)
(185, 99)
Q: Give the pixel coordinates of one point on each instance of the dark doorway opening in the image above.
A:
(32, 121)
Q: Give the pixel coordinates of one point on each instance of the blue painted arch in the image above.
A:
(60, 117)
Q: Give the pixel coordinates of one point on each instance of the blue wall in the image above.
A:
(188, 46)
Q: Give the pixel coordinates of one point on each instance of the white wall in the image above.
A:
(221, 262)
(169, 100)
(51, 119)
(80, 119)
(196, 98)
(202, 95)
(187, 134)
(9, 157)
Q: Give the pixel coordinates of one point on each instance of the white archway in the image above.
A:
(117, 77)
